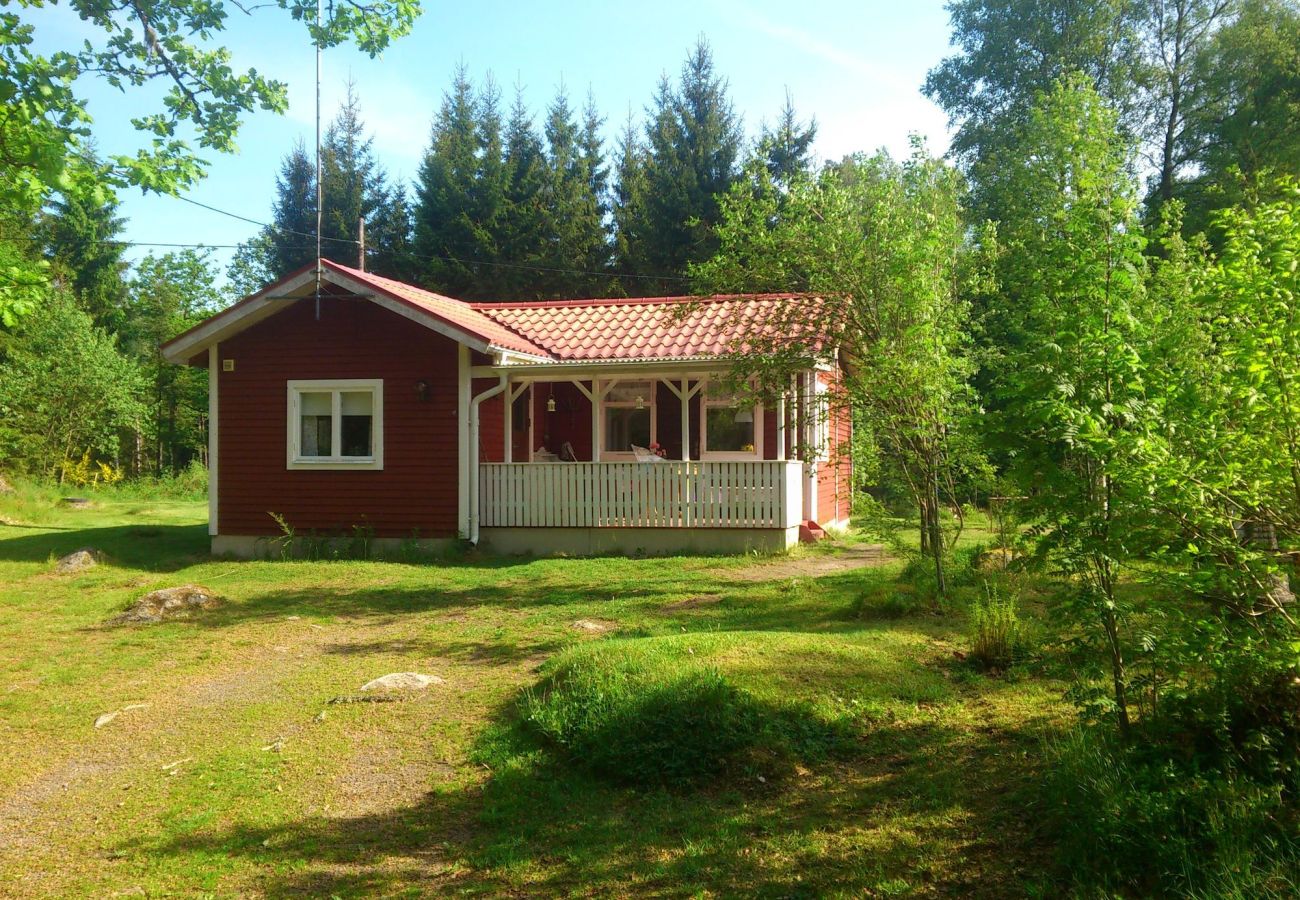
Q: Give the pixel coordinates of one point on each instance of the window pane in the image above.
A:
(357, 423)
(316, 435)
(356, 436)
(357, 403)
(315, 403)
(625, 426)
(726, 434)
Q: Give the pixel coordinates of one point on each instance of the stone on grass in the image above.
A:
(401, 681)
(104, 719)
(170, 603)
(593, 626)
(78, 561)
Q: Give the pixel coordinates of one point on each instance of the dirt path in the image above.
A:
(814, 566)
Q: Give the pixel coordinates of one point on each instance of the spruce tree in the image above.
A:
(455, 211)
(78, 232)
(353, 184)
(293, 218)
(579, 242)
(630, 210)
(786, 149)
(693, 145)
(524, 224)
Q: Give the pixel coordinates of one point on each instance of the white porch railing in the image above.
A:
(669, 494)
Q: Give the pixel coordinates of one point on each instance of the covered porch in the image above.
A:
(629, 457)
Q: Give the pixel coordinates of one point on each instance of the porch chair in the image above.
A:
(646, 455)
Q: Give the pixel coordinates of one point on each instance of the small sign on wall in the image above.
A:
(227, 365)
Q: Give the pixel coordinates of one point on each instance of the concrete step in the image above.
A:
(810, 532)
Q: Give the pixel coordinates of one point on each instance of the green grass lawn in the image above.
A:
(234, 775)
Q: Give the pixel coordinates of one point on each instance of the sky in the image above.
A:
(857, 67)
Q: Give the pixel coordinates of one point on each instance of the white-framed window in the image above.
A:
(336, 423)
(627, 418)
(732, 428)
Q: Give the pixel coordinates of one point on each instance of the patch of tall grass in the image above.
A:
(1131, 822)
(643, 712)
(997, 635)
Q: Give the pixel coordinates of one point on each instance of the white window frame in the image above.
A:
(706, 403)
(649, 403)
(335, 386)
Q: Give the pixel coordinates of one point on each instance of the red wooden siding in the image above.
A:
(835, 476)
(417, 488)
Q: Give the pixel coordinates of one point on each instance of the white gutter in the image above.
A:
(474, 451)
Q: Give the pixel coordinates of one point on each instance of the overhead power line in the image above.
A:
(464, 262)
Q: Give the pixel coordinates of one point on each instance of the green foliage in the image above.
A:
(1072, 377)
(1010, 52)
(65, 389)
(671, 186)
(641, 712)
(883, 245)
(1243, 130)
(1132, 822)
(997, 637)
(167, 295)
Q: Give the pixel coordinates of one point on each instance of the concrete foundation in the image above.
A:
(245, 546)
(635, 541)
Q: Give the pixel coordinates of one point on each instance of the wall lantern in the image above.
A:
(640, 402)
(422, 390)
(550, 401)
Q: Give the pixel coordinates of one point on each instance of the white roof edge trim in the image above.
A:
(264, 304)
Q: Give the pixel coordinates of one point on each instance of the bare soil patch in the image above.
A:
(844, 559)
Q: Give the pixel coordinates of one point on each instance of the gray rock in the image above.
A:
(170, 603)
(78, 561)
(401, 681)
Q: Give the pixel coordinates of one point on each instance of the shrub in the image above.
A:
(643, 715)
(1131, 821)
(997, 635)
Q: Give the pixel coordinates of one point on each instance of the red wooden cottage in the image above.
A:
(577, 426)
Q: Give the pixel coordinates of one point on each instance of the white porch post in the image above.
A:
(213, 415)
(780, 426)
(595, 398)
(507, 431)
(686, 419)
(462, 435)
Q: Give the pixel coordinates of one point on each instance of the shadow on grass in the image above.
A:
(920, 809)
(153, 548)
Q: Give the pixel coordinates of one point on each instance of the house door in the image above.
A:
(521, 426)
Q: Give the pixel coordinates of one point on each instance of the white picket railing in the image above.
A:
(668, 494)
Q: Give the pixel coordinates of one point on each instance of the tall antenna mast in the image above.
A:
(319, 192)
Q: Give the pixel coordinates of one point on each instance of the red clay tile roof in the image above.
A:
(649, 327)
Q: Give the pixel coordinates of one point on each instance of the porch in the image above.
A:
(638, 458)
(667, 494)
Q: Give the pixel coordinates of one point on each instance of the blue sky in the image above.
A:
(856, 66)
